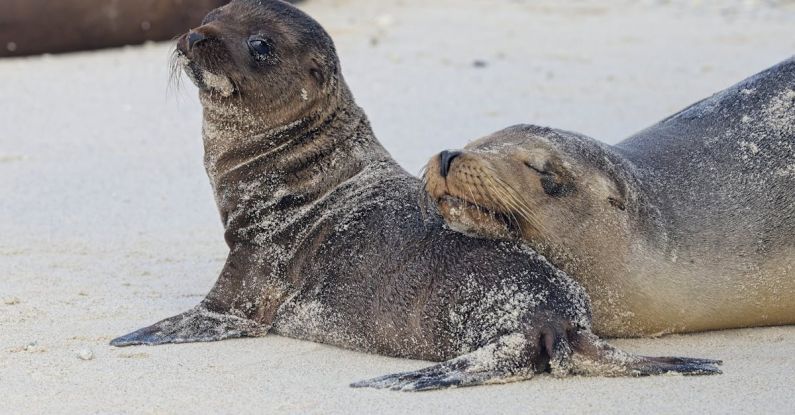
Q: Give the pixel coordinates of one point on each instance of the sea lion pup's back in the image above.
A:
(327, 240)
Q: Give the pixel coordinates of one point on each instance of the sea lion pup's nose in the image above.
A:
(445, 158)
(194, 38)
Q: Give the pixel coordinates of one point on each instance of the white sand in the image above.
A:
(107, 222)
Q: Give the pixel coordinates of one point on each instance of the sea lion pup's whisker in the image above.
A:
(175, 72)
(173, 75)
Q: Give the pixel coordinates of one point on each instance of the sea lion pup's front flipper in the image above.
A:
(516, 357)
(228, 311)
(196, 325)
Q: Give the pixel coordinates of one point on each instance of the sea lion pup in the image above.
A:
(328, 242)
(687, 226)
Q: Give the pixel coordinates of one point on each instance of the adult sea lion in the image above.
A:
(686, 226)
(328, 242)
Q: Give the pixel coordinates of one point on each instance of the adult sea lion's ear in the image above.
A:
(617, 202)
(611, 190)
(618, 196)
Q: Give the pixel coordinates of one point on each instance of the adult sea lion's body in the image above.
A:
(328, 243)
(687, 226)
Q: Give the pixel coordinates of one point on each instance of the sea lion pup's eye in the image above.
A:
(259, 47)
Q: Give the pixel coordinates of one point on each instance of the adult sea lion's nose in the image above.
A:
(445, 159)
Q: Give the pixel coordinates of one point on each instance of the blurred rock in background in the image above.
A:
(29, 27)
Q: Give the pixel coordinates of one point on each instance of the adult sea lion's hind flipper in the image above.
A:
(518, 357)
(595, 357)
(195, 325)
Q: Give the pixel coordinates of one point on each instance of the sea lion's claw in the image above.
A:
(196, 325)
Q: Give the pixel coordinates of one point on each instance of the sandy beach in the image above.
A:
(107, 220)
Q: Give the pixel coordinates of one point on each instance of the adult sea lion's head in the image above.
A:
(263, 57)
(555, 189)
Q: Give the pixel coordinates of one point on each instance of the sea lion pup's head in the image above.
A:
(262, 58)
(555, 189)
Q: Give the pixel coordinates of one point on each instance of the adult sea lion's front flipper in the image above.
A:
(517, 357)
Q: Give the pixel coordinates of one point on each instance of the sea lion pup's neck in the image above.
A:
(300, 160)
(237, 137)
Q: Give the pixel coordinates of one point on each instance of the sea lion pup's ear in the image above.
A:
(322, 70)
(316, 70)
